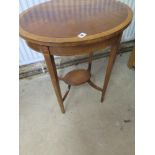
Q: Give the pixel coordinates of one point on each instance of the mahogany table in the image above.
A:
(75, 27)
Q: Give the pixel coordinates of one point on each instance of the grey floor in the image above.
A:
(88, 127)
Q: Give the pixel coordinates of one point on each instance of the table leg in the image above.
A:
(112, 57)
(54, 78)
(90, 61)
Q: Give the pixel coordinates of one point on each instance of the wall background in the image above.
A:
(28, 56)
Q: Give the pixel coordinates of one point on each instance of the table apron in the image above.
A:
(73, 50)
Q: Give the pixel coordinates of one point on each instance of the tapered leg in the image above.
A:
(54, 78)
(111, 61)
(90, 61)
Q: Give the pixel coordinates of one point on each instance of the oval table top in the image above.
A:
(67, 21)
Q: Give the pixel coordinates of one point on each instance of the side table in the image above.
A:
(75, 27)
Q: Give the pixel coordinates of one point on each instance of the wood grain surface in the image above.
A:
(61, 21)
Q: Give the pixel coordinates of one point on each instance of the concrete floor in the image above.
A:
(88, 127)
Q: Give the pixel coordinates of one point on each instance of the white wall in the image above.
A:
(27, 55)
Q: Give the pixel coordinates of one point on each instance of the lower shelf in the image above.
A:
(77, 77)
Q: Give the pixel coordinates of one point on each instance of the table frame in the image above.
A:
(49, 58)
